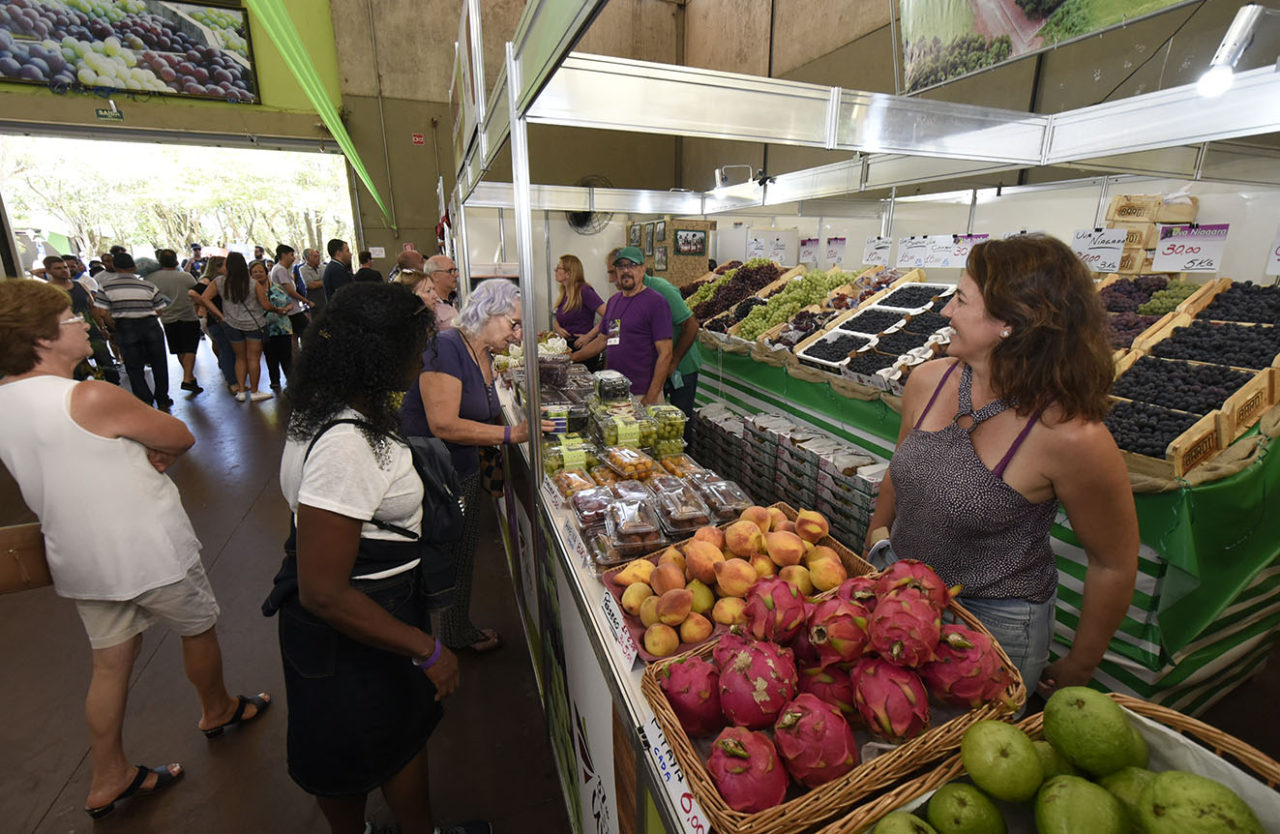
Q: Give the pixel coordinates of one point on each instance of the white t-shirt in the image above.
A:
(345, 475)
(282, 276)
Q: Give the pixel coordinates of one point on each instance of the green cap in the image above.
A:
(629, 253)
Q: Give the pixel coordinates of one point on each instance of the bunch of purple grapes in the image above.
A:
(746, 280)
(1245, 302)
(1125, 327)
(801, 326)
(1128, 296)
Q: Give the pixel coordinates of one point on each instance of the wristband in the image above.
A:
(430, 661)
(506, 435)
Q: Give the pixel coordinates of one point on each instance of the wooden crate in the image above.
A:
(1160, 331)
(772, 333)
(1150, 208)
(1142, 233)
(1246, 406)
(1197, 445)
(1178, 212)
(1132, 261)
(1193, 304)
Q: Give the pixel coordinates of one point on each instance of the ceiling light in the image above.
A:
(1217, 79)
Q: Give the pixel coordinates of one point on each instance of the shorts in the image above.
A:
(182, 336)
(186, 606)
(235, 334)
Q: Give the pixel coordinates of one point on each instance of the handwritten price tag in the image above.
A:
(691, 816)
(551, 494)
(618, 627)
(912, 252)
(961, 246)
(1191, 248)
(1099, 249)
(835, 250)
(1273, 259)
(942, 252)
(574, 540)
(876, 251)
(809, 250)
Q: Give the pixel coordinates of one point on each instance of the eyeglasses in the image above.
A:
(453, 271)
(515, 323)
(76, 319)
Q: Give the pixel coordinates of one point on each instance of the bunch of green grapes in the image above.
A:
(1174, 293)
(708, 289)
(812, 288)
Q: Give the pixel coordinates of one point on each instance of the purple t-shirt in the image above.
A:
(449, 355)
(632, 325)
(581, 320)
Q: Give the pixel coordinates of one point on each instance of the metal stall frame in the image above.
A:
(893, 141)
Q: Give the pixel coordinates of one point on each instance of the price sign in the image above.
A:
(941, 253)
(961, 246)
(912, 251)
(1191, 248)
(755, 248)
(1273, 259)
(575, 542)
(835, 250)
(1099, 249)
(876, 251)
(692, 818)
(809, 251)
(551, 494)
(618, 627)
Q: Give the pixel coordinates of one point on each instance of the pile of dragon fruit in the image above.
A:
(813, 672)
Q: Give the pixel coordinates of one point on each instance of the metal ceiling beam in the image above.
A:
(547, 30)
(170, 137)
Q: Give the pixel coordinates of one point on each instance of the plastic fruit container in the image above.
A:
(569, 482)
(625, 429)
(604, 476)
(629, 463)
(669, 420)
(591, 505)
(668, 447)
(611, 385)
(680, 510)
(724, 499)
(553, 369)
(680, 465)
(633, 528)
(631, 490)
(569, 450)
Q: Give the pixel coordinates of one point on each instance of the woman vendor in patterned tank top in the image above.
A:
(999, 433)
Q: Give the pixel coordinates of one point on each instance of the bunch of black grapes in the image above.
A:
(1146, 429)
(1198, 389)
(872, 321)
(1245, 302)
(1237, 345)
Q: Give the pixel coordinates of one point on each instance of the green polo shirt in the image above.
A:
(680, 311)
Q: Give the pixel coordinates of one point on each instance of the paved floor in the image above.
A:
(490, 758)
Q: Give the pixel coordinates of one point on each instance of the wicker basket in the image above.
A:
(819, 805)
(1265, 768)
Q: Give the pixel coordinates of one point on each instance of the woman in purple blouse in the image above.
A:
(579, 304)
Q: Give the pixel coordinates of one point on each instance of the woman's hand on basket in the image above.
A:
(444, 673)
(1062, 672)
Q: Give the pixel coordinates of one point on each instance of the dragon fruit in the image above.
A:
(692, 687)
(838, 631)
(775, 610)
(729, 644)
(968, 672)
(832, 685)
(892, 700)
(905, 627)
(912, 573)
(815, 741)
(746, 769)
(804, 650)
(756, 682)
(860, 589)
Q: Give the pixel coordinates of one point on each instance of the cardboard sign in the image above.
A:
(693, 820)
(912, 252)
(1191, 248)
(618, 627)
(835, 251)
(809, 251)
(876, 251)
(1099, 249)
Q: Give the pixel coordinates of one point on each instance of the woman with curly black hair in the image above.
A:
(363, 676)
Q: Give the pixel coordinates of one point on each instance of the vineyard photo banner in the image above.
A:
(945, 39)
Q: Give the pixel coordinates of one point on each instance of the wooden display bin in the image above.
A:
(1195, 303)
(1142, 234)
(1151, 208)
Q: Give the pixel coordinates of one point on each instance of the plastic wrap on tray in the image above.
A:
(725, 499)
(631, 490)
(611, 385)
(669, 421)
(680, 509)
(629, 463)
(624, 429)
(633, 528)
(680, 465)
(603, 553)
(569, 450)
(572, 481)
(604, 476)
(553, 369)
(579, 378)
(591, 505)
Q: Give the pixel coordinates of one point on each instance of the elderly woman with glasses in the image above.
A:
(455, 401)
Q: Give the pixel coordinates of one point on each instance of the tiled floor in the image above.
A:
(489, 758)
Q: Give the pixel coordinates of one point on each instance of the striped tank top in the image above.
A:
(961, 518)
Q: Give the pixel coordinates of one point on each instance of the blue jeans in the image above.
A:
(226, 353)
(142, 343)
(1022, 628)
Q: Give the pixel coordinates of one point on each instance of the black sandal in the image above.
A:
(164, 778)
(260, 701)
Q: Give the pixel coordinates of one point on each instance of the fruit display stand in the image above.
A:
(1205, 609)
(1175, 741)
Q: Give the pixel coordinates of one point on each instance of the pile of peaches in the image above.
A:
(680, 596)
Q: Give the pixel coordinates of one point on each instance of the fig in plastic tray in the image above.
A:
(629, 463)
(681, 510)
(631, 490)
(633, 528)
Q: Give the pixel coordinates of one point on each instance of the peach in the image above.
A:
(634, 595)
(674, 606)
(661, 640)
(784, 548)
(729, 611)
(702, 559)
(811, 526)
(776, 518)
(674, 557)
(757, 515)
(764, 566)
(649, 611)
(711, 535)
(734, 577)
(744, 538)
(818, 552)
(703, 597)
(787, 526)
(665, 578)
(695, 629)
(827, 574)
(798, 576)
(637, 570)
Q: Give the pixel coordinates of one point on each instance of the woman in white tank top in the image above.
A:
(127, 554)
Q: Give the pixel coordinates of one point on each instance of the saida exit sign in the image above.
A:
(107, 114)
